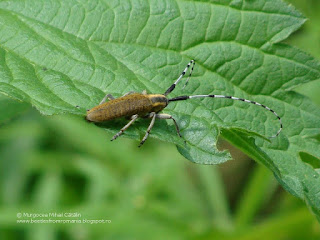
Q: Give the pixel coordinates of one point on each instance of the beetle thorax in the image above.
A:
(159, 102)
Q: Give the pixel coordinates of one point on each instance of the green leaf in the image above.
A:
(60, 54)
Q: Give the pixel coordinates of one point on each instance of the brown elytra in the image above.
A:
(127, 106)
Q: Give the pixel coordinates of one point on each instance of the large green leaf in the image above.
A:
(60, 54)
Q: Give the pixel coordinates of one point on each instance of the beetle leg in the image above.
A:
(109, 96)
(167, 116)
(133, 118)
(153, 116)
(128, 93)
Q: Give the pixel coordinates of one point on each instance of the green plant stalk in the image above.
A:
(213, 188)
(278, 226)
(259, 189)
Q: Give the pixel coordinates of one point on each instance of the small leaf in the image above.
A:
(60, 54)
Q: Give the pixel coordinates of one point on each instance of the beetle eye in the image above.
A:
(88, 110)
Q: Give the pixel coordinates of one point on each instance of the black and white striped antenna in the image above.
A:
(180, 98)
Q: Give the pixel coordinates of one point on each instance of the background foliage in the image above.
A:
(63, 164)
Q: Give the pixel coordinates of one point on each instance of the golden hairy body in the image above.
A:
(127, 106)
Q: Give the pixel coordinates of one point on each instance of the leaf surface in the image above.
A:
(60, 54)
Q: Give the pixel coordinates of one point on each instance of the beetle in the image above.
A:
(134, 105)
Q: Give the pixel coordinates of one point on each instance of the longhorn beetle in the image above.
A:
(134, 105)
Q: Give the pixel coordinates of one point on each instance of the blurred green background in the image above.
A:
(62, 164)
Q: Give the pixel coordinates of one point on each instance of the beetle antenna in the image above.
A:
(180, 98)
(171, 88)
